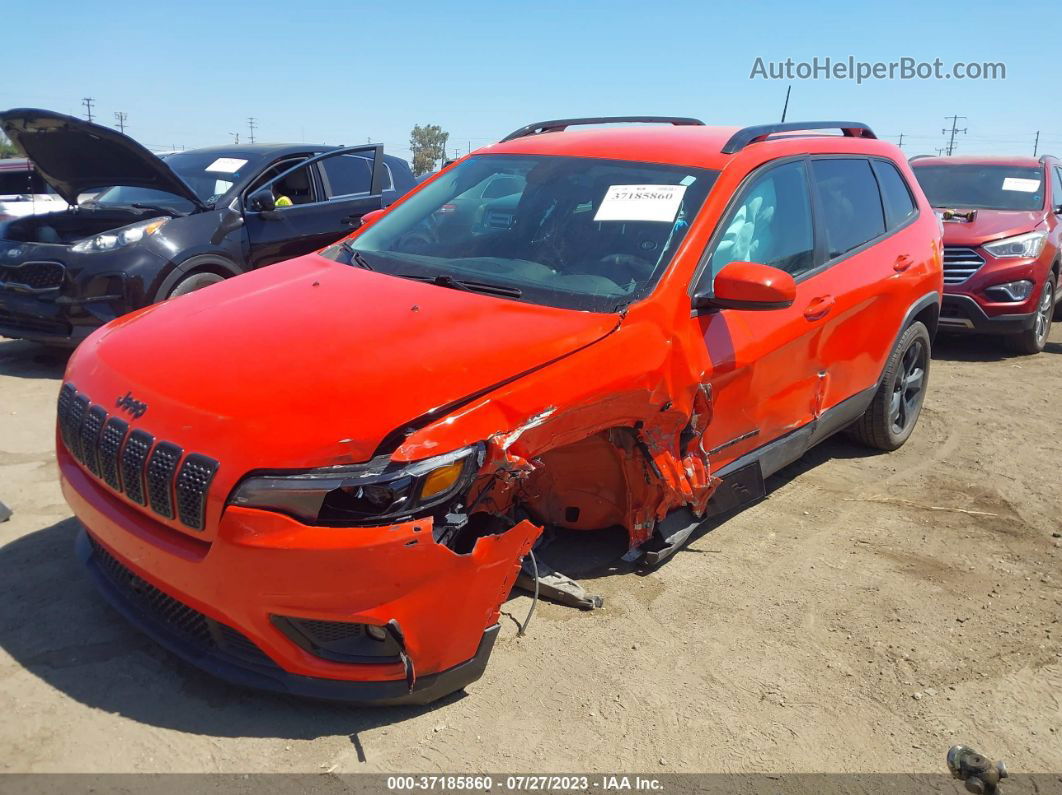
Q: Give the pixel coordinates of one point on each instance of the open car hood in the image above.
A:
(75, 156)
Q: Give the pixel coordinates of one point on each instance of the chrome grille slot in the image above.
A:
(91, 426)
(110, 445)
(161, 467)
(133, 457)
(193, 482)
(960, 263)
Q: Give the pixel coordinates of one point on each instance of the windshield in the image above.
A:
(209, 176)
(978, 187)
(570, 232)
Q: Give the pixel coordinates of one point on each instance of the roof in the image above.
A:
(978, 160)
(260, 150)
(698, 146)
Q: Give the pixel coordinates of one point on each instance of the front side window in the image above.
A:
(1056, 187)
(850, 201)
(771, 225)
(982, 187)
(580, 233)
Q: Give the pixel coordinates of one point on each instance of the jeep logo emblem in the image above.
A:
(130, 404)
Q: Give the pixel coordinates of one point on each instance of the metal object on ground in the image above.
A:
(979, 774)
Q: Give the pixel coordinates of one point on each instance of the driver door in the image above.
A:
(762, 365)
(329, 193)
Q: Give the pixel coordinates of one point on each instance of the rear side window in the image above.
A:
(351, 174)
(850, 202)
(772, 224)
(895, 195)
(1056, 187)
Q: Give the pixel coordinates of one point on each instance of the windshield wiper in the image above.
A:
(446, 280)
(356, 256)
(154, 207)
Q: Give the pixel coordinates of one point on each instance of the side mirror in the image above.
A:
(748, 285)
(262, 200)
(371, 217)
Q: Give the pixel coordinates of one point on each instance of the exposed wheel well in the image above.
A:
(929, 317)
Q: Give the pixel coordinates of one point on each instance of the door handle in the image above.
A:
(818, 308)
(903, 262)
(352, 220)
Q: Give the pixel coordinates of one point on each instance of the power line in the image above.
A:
(954, 129)
(120, 117)
(251, 124)
(87, 102)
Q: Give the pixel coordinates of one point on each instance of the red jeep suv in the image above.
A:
(627, 327)
(1002, 243)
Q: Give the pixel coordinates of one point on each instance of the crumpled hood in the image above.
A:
(989, 225)
(313, 363)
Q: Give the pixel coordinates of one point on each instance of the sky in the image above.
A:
(189, 74)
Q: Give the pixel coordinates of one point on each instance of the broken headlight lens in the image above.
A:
(116, 238)
(363, 494)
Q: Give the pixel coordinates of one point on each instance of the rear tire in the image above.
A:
(1032, 341)
(891, 417)
(193, 282)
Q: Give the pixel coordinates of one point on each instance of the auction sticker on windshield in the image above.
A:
(1023, 185)
(226, 165)
(640, 203)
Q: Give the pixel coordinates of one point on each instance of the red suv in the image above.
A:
(323, 477)
(1002, 243)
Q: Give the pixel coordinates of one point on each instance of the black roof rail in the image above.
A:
(752, 135)
(557, 125)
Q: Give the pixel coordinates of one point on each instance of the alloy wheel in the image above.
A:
(908, 387)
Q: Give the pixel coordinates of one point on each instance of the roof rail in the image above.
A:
(753, 135)
(558, 125)
(919, 157)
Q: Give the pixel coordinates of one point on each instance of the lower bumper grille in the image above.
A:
(34, 325)
(174, 618)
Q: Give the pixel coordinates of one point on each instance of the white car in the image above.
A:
(23, 192)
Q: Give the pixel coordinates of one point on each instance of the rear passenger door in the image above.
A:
(864, 211)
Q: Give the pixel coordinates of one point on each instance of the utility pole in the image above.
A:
(251, 124)
(120, 117)
(900, 144)
(1036, 144)
(235, 137)
(785, 107)
(87, 102)
(954, 129)
(940, 151)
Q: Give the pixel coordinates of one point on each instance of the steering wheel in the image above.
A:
(622, 268)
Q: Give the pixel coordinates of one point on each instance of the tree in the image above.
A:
(7, 149)
(428, 145)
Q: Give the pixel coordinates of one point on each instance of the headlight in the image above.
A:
(365, 493)
(117, 238)
(1028, 245)
(1011, 291)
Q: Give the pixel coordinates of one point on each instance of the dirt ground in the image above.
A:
(874, 610)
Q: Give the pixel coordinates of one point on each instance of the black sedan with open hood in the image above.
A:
(158, 227)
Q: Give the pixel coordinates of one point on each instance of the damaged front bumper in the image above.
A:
(228, 605)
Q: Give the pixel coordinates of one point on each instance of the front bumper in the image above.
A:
(961, 313)
(92, 292)
(226, 653)
(260, 565)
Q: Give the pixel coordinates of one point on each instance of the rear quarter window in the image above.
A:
(895, 193)
(850, 202)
